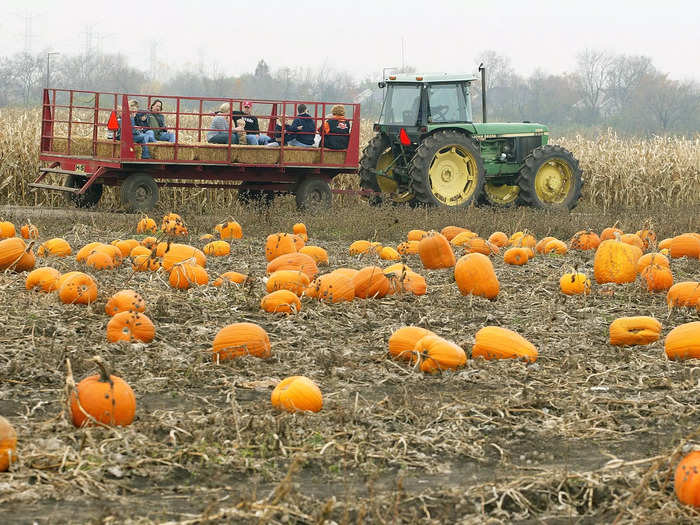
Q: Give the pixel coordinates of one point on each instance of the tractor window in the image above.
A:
(401, 106)
(447, 103)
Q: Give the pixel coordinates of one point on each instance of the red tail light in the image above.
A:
(403, 137)
(112, 124)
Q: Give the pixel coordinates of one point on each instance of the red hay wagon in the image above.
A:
(78, 141)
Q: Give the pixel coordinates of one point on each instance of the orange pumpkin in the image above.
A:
(126, 246)
(450, 232)
(360, 247)
(402, 342)
(57, 247)
(78, 288)
(436, 354)
(334, 287)
(125, 301)
(648, 238)
(297, 394)
(610, 233)
(516, 256)
(616, 262)
(408, 248)
(657, 278)
(555, 246)
(539, 247)
(176, 253)
(294, 261)
(105, 397)
(409, 282)
(149, 242)
(43, 279)
(7, 230)
(317, 253)
(184, 275)
(279, 244)
(350, 273)
(474, 275)
(462, 238)
(435, 252)
(146, 225)
(633, 239)
(498, 238)
(479, 245)
(494, 342)
(86, 250)
(639, 330)
(99, 260)
(130, 326)
(686, 293)
(12, 251)
(416, 235)
(371, 282)
(217, 248)
(281, 301)
(8, 444)
(685, 245)
(388, 253)
(292, 280)
(239, 339)
(683, 342)
(575, 284)
(230, 277)
(658, 259)
(300, 229)
(111, 250)
(29, 231)
(229, 230)
(665, 244)
(686, 481)
(144, 262)
(585, 240)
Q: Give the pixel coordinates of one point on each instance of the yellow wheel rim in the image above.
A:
(453, 175)
(386, 182)
(553, 181)
(501, 193)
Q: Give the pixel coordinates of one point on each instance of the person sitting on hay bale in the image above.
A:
(156, 122)
(335, 131)
(302, 129)
(252, 127)
(140, 136)
(220, 124)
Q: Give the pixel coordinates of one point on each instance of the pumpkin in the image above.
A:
(416, 235)
(126, 246)
(436, 354)
(176, 253)
(334, 287)
(8, 444)
(371, 282)
(206, 237)
(11, 252)
(658, 259)
(616, 262)
(43, 279)
(317, 253)
(139, 250)
(409, 282)
(585, 240)
(86, 250)
(450, 232)
(175, 227)
(408, 248)
(555, 246)
(685, 245)
(542, 243)
(403, 341)
(105, 397)
(648, 238)
(293, 280)
(389, 254)
(7, 230)
(494, 342)
(639, 330)
(610, 233)
(125, 301)
(169, 217)
(665, 244)
(498, 238)
(294, 261)
(130, 326)
(297, 394)
(474, 275)
(397, 268)
(462, 238)
(230, 277)
(186, 274)
(686, 481)
(350, 273)
(300, 229)
(217, 248)
(479, 245)
(111, 250)
(26, 262)
(98, 260)
(239, 339)
(144, 262)
(522, 239)
(435, 251)
(359, 247)
(298, 241)
(686, 293)
(657, 278)
(149, 242)
(683, 342)
(65, 277)
(279, 244)
(146, 225)
(281, 301)
(79, 288)
(57, 247)
(229, 230)
(633, 239)
(29, 231)
(516, 256)
(575, 283)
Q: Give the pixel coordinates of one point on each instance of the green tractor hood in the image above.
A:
(508, 129)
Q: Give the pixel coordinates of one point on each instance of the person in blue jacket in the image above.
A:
(140, 135)
(302, 130)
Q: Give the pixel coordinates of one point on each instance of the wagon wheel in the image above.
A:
(88, 199)
(313, 194)
(139, 192)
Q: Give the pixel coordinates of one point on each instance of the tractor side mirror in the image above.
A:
(381, 85)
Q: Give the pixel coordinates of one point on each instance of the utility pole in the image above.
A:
(48, 66)
(403, 55)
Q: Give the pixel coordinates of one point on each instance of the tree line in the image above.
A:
(624, 92)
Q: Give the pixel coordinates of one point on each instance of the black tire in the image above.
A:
(313, 194)
(558, 157)
(88, 199)
(368, 162)
(139, 192)
(422, 162)
(487, 199)
(249, 195)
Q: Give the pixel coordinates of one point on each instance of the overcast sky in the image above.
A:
(363, 36)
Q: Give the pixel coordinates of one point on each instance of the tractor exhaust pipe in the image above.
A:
(482, 70)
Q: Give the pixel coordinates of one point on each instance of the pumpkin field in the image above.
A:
(511, 400)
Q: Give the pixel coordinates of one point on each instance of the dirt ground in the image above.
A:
(590, 433)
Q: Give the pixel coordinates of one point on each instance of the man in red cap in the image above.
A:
(252, 128)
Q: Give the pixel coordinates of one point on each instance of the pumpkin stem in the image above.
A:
(104, 369)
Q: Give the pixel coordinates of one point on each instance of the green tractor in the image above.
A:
(428, 151)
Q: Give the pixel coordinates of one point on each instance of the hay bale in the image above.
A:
(256, 154)
(110, 149)
(166, 151)
(79, 146)
(212, 152)
(298, 155)
(334, 157)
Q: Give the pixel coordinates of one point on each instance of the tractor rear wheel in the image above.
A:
(447, 170)
(550, 178)
(88, 199)
(377, 156)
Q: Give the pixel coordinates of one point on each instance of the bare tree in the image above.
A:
(592, 69)
(625, 75)
(668, 102)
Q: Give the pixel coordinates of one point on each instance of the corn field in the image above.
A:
(619, 172)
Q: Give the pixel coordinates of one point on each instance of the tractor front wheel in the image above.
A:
(550, 178)
(447, 170)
